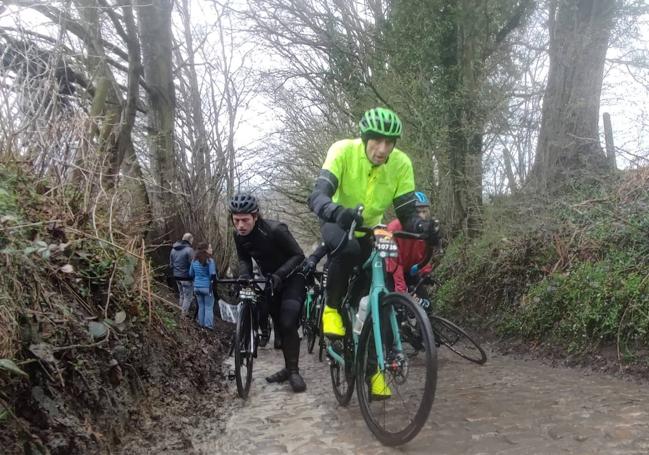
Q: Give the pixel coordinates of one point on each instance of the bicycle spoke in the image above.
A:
(403, 401)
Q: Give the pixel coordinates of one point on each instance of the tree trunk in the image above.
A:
(123, 142)
(106, 103)
(200, 152)
(568, 145)
(463, 63)
(154, 20)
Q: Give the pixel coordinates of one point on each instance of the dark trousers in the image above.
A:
(344, 255)
(285, 308)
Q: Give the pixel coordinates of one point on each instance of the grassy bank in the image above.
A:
(570, 272)
(85, 333)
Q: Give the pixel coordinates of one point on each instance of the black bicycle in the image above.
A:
(246, 336)
(448, 333)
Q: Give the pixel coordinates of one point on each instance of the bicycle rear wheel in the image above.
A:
(321, 338)
(397, 416)
(342, 375)
(457, 340)
(311, 325)
(244, 346)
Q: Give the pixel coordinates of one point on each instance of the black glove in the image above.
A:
(431, 229)
(275, 281)
(345, 217)
(428, 281)
(309, 266)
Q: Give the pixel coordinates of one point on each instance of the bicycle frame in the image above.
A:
(254, 321)
(252, 288)
(312, 291)
(378, 287)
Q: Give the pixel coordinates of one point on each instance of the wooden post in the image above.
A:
(608, 136)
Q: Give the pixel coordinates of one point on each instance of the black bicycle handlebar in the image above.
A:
(399, 234)
(242, 281)
(409, 235)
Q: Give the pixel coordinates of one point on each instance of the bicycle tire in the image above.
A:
(343, 386)
(450, 335)
(321, 348)
(303, 319)
(321, 338)
(244, 360)
(311, 326)
(399, 374)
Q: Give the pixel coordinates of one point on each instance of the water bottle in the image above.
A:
(362, 313)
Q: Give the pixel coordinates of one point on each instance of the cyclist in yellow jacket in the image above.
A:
(370, 171)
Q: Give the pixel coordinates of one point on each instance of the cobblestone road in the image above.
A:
(508, 406)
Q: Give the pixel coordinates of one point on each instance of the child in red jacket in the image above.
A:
(411, 252)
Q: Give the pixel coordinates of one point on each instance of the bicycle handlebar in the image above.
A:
(315, 274)
(399, 234)
(409, 235)
(242, 281)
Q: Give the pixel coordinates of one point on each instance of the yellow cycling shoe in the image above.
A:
(379, 389)
(332, 322)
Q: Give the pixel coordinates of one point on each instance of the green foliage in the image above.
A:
(8, 200)
(47, 265)
(595, 302)
(574, 274)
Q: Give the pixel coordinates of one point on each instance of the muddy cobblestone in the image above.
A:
(508, 406)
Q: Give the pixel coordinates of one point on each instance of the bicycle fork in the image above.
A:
(375, 261)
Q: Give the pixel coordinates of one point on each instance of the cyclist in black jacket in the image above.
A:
(278, 256)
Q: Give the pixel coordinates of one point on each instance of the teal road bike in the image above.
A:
(355, 359)
(312, 311)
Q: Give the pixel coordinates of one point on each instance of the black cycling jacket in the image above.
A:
(320, 252)
(272, 247)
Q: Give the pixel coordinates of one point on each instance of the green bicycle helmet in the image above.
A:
(382, 122)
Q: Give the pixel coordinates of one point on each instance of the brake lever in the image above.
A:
(352, 228)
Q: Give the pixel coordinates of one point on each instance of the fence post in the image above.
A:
(608, 136)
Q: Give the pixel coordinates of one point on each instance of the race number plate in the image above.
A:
(385, 244)
(247, 293)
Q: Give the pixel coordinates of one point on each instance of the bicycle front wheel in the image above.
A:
(244, 346)
(395, 401)
(457, 340)
(342, 373)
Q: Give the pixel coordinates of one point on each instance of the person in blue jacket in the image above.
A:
(180, 261)
(203, 272)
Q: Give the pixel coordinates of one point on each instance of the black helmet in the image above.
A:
(243, 203)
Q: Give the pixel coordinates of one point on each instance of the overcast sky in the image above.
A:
(625, 95)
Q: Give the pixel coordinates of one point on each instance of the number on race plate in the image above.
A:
(385, 244)
(247, 293)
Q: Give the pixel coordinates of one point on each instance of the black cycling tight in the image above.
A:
(285, 307)
(344, 256)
